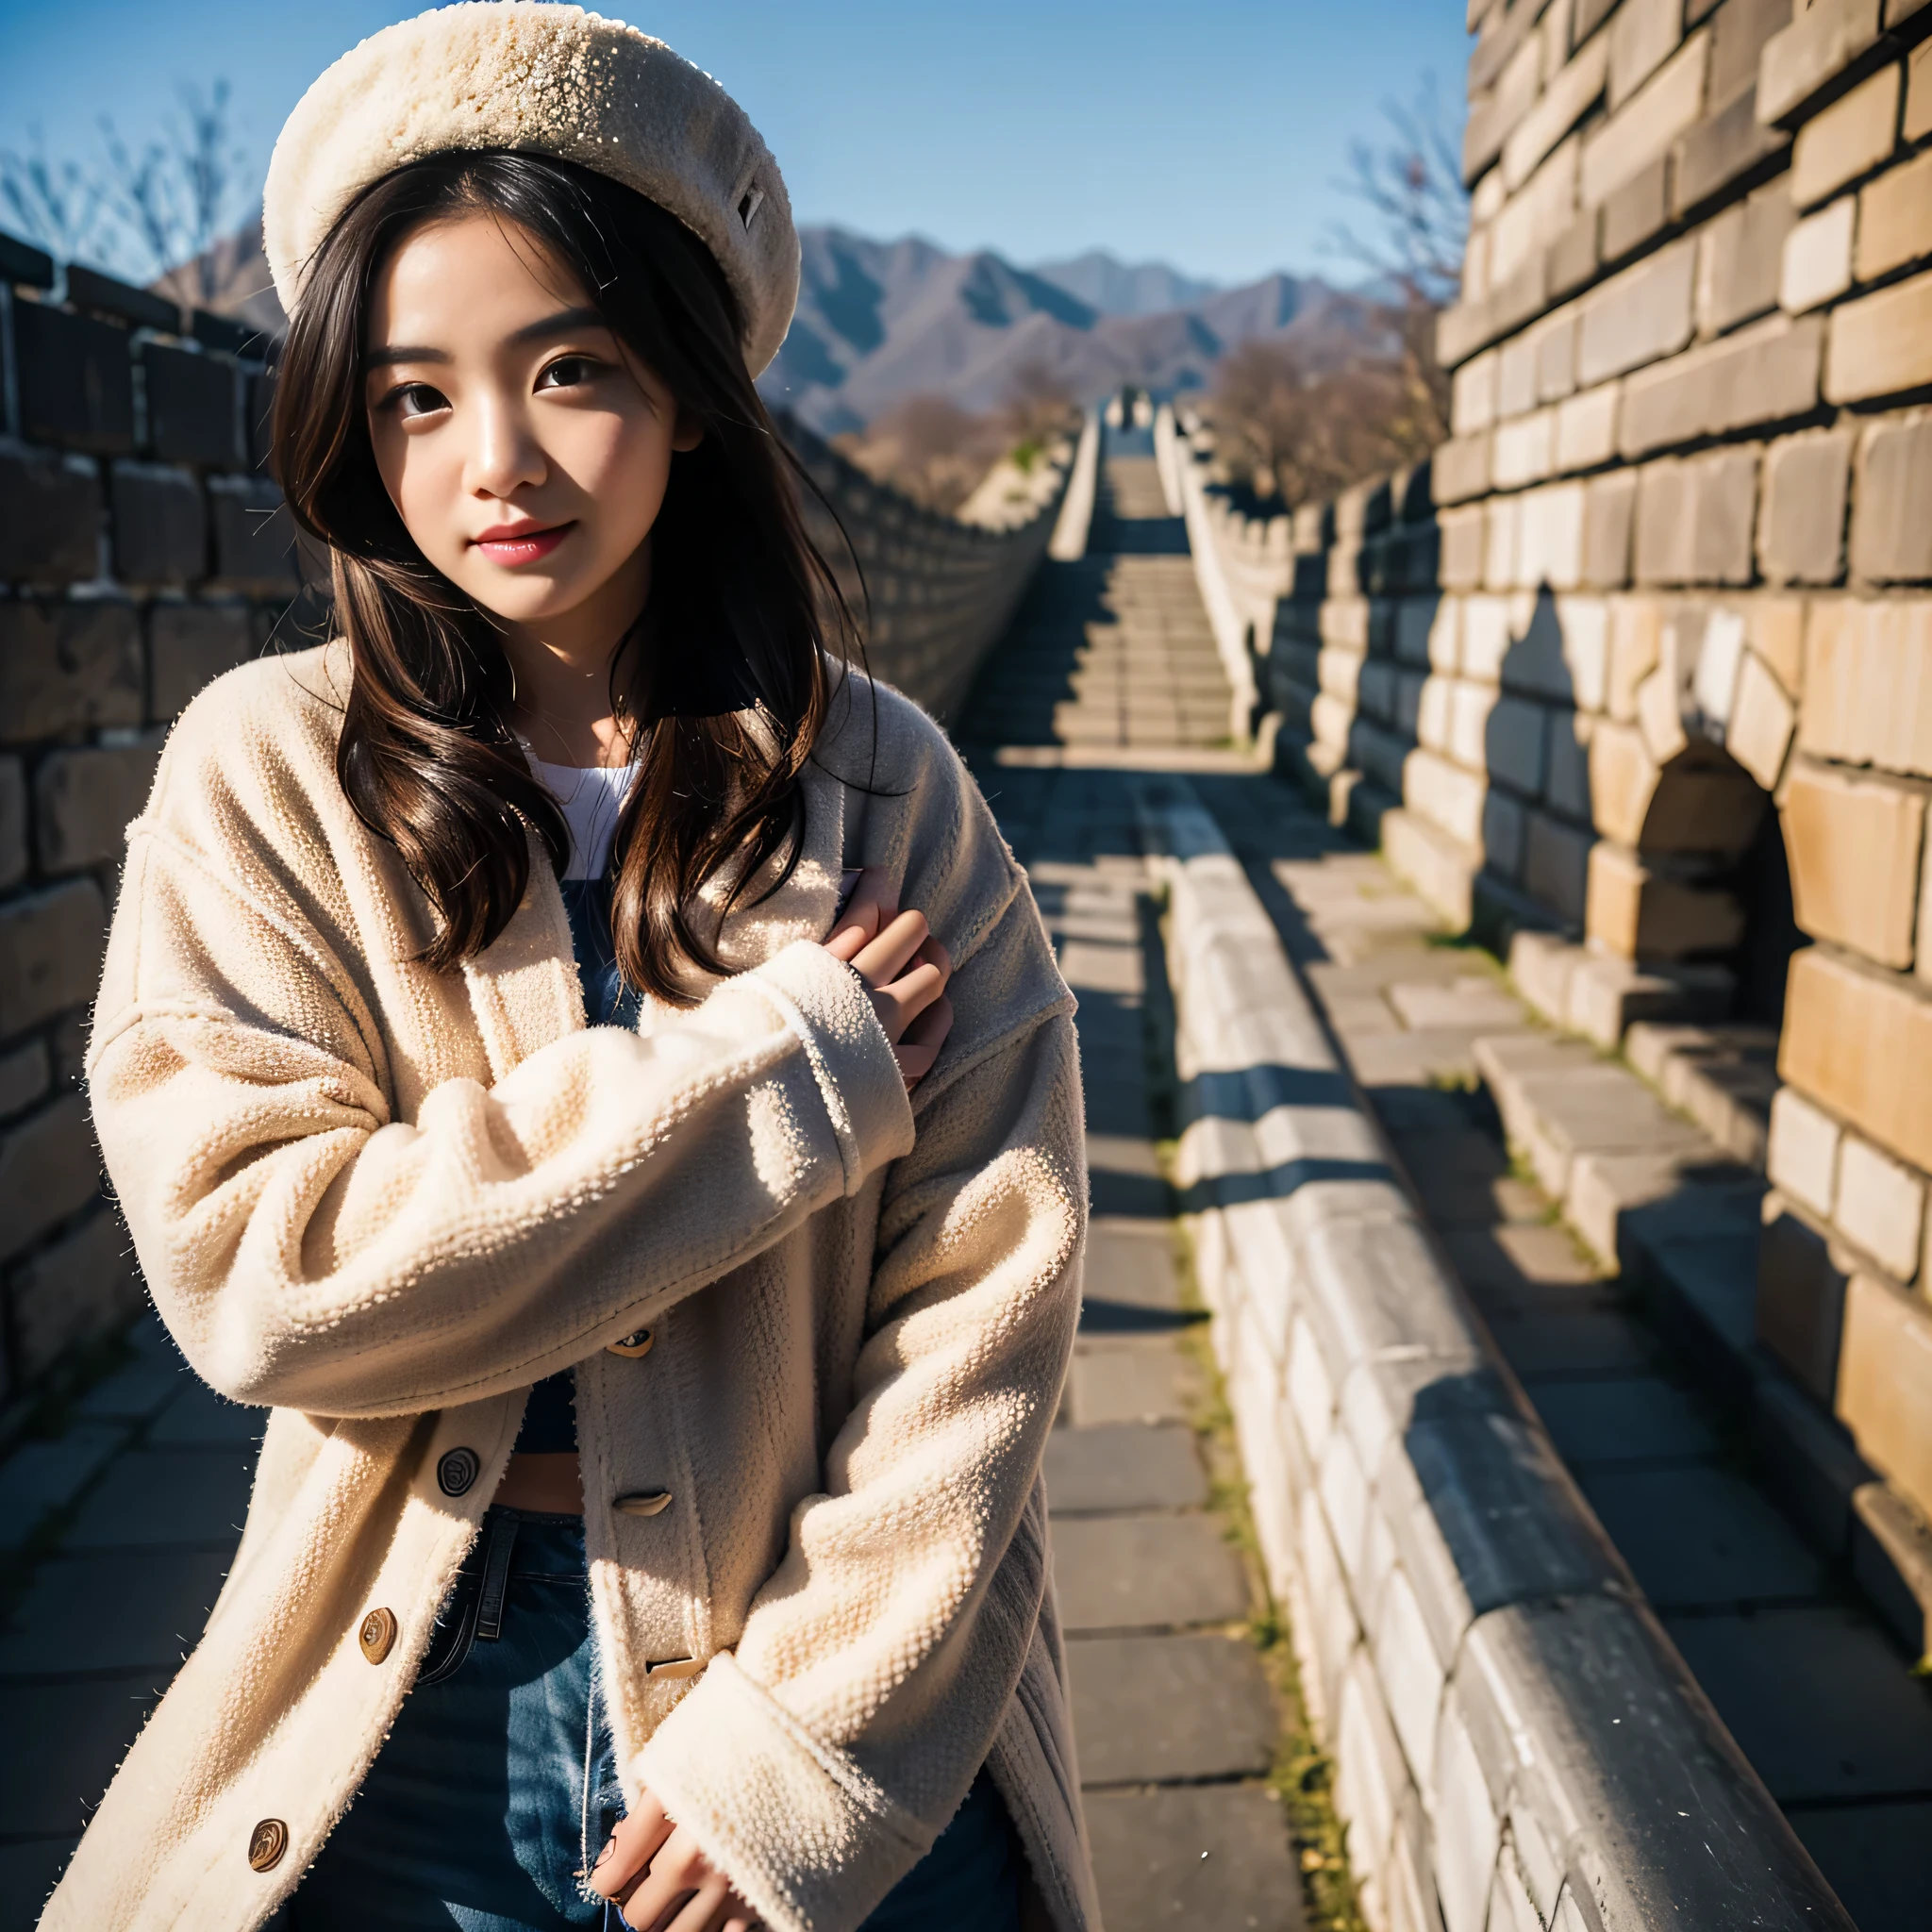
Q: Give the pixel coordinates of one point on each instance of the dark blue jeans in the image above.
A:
(498, 1785)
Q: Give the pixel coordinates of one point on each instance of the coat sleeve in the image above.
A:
(817, 1763)
(309, 1250)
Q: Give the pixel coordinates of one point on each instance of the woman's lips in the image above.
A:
(522, 546)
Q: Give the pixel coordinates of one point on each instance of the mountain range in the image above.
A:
(879, 322)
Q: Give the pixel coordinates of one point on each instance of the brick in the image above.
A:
(191, 406)
(1473, 393)
(254, 535)
(1817, 265)
(1881, 344)
(1502, 519)
(83, 800)
(1694, 519)
(1738, 37)
(1493, 116)
(1820, 43)
(1572, 90)
(1587, 428)
(67, 667)
(1643, 35)
(1853, 845)
(1640, 915)
(50, 517)
(1514, 745)
(1849, 139)
(1763, 720)
(1918, 115)
(161, 524)
(1502, 835)
(1895, 219)
(193, 643)
(1636, 642)
(75, 377)
(1524, 450)
(1891, 535)
(1801, 1155)
(50, 953)
(1571, 259)
(88, 287)
(12, 821)
(1556, 864)
(1549, 538)
(1764, 374)
(1881, 1206)
(1566, 762)
(1868, 683)
(1639, 316)
(48, 1170)
(1643, 131)
(1801, 1293)
(1725, 145)
(1776, 627)
(1741, 258)
(1801, 522)
(1623, 781)
(1861, 1041)
(1609, 504)
(1463, 549)
(76, 1290)
(24, 1076)
(1885, 1384)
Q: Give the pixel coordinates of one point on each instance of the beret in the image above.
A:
(539, 78)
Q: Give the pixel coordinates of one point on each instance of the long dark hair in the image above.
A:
(724, 685)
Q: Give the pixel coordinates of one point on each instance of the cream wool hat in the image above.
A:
(540, 78)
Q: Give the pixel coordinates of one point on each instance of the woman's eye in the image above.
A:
(417, 399)
(567, 371)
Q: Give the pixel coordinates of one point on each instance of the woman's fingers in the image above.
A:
(924, 1038)
(683, 1892)
(885, 956)
(631, 1847)
(874, 903)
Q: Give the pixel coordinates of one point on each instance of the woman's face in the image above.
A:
(526, 449)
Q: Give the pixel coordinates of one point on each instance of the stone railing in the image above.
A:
(143, 552)
(1643, 655)
(1516, 1741)
(937, 591)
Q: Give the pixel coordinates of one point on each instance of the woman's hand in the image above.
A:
(662, 1882)
(905, 966)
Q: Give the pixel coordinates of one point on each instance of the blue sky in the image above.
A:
(1208, 133)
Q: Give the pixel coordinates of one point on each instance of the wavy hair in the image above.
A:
(724, 682)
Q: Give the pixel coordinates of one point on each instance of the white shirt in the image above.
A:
(591, 798)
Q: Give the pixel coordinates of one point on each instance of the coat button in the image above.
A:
(378, 1635)
(673, 1667)
(457, 1471)
(266, 1844)
(632, 1345)
(645, 1503)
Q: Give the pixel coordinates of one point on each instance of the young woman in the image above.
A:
(661, 1269)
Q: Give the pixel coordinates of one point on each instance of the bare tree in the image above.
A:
(53, 204)
(1410, 184)
(182, 196)
(1038, 407)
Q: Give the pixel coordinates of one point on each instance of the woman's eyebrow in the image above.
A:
(561, 324)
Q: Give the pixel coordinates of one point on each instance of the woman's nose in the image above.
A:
(504, 454)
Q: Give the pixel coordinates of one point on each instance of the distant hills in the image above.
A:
(881, 321)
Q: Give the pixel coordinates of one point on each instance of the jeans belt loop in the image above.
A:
(503, 1540)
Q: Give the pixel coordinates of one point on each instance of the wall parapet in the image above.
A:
(1516, 1740)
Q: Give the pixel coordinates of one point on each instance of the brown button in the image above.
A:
(673, 1667)
(632, 1345)
(645, 1503)
(266, 1844)
(457, 1471)
(378, 1635)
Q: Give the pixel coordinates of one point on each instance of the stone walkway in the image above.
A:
(1801, 1671)
(1176, 1725)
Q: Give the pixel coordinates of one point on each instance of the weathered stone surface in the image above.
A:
(12, 821)
(1638, 316)
(1801, 520)
(1849, 139)
(121, 1613)
(1803, 1155)
(1643, 129)
(1881, 1206)
(1895, 218)
(1730, 140)
(83, 799)
(1638, 210)
(1124, 1466)
(1556, 864)
(1643, 35)
(1193, 1856)
(67, 667)
(1817, 265)
(1885, 1384)
(1855, 847)
(193, 643)
(1867, 700)
(1695, 518)
(160, 1496)
(1642, 914)
(1629, 1418)
(50, 953)
(48, 1170)
(1763, 720)
(1881, 343)
(1609, 518)
(253, 538)
(1892, 536)
(1861, 1041)
(161, 524)
(1136, 1573)
(74, 378)
(1918, 114)
(50, 517)
(1622, 780)
(191, 406)
(1811, 53)
(1743, 249)
(1760, 374)
(1169, 1709)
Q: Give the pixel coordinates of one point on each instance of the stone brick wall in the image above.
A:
(1664, 597)
(140, 554)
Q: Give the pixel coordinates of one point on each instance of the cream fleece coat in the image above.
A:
(386, 1201)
